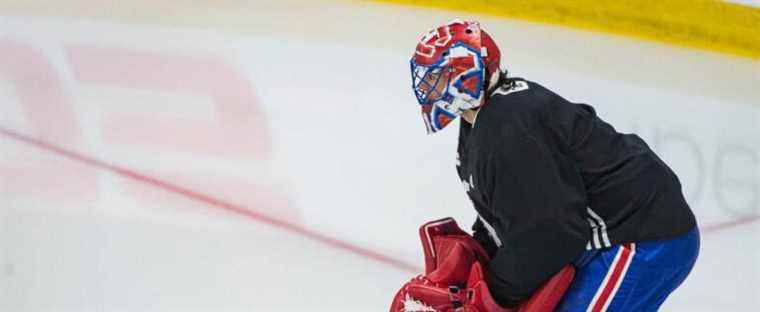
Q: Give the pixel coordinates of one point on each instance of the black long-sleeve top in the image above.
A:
(550, 179)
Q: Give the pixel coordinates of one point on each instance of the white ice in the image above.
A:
(334, 144)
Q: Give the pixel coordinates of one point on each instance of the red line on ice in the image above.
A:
(212, 201)
(222, 204)
(717, 227)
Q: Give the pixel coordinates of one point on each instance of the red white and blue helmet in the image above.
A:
(451, 67)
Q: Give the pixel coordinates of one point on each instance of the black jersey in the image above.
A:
(550, 179)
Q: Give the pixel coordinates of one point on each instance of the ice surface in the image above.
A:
(316, 127)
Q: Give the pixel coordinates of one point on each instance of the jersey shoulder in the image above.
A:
(521, 95)
(519, 88)
(518, 98)
(524, 97)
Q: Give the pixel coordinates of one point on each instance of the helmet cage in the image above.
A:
(448, 87)
(430, 83)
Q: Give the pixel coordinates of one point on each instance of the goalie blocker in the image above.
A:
(454, 279)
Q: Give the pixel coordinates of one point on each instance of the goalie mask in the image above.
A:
(451, 66)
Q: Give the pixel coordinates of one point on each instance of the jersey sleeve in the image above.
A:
(480, 233)
(537, 197)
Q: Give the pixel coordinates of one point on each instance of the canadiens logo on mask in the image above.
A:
(449, 69)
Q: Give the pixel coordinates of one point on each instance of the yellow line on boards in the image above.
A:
(702, 24)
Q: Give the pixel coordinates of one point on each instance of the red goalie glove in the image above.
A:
(449, 252)
(454, 279)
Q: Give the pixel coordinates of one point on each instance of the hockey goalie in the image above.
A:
(553, 184)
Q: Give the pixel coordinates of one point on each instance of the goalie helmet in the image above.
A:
(451, 67)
